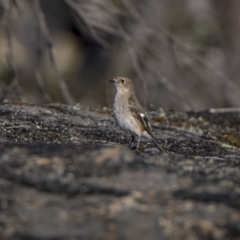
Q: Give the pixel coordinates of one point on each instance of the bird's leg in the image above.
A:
(132, 141)
(138, 142)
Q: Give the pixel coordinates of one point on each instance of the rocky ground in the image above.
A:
(67, 173)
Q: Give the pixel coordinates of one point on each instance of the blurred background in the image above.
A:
(182, 55)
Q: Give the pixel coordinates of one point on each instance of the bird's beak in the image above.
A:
(112, 80)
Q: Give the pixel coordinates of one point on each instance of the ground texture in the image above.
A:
(67, 173)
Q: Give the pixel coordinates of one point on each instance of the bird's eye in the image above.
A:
(122, 80)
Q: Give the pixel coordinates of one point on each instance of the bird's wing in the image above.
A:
(141, 117)
(138, 112)
(145, 122)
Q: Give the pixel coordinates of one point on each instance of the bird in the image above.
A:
(129, 114)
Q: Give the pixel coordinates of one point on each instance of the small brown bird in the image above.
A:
(128, 112)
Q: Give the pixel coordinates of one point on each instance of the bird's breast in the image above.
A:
(125, 118)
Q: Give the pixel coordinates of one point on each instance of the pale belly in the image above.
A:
(126, 121)
(128, 124)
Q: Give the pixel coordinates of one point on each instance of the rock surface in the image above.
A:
(67, 173)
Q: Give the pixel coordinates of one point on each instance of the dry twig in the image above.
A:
(39, 79)
(130, 46)
(6, 8)
(84, 22)
(49, 45)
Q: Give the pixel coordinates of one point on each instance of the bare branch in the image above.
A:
(227, 81)
(131, 9)
(137, 68)
(118, 31)
(39, 79)
(6, 4)
(171, 88)
(171, 44)
(132, 49)
(19, 10)
(80, 15)
(49, 47)
(40, 85)
(130, 46)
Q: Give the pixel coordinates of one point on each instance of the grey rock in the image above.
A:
(67, 173)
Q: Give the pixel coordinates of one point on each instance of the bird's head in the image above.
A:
(122, 84)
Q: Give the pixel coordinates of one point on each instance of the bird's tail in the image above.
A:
(155, 142)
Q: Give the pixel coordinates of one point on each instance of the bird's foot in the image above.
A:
(135, 147)
(132, 145)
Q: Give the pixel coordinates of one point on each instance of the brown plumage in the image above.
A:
(128, 112)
